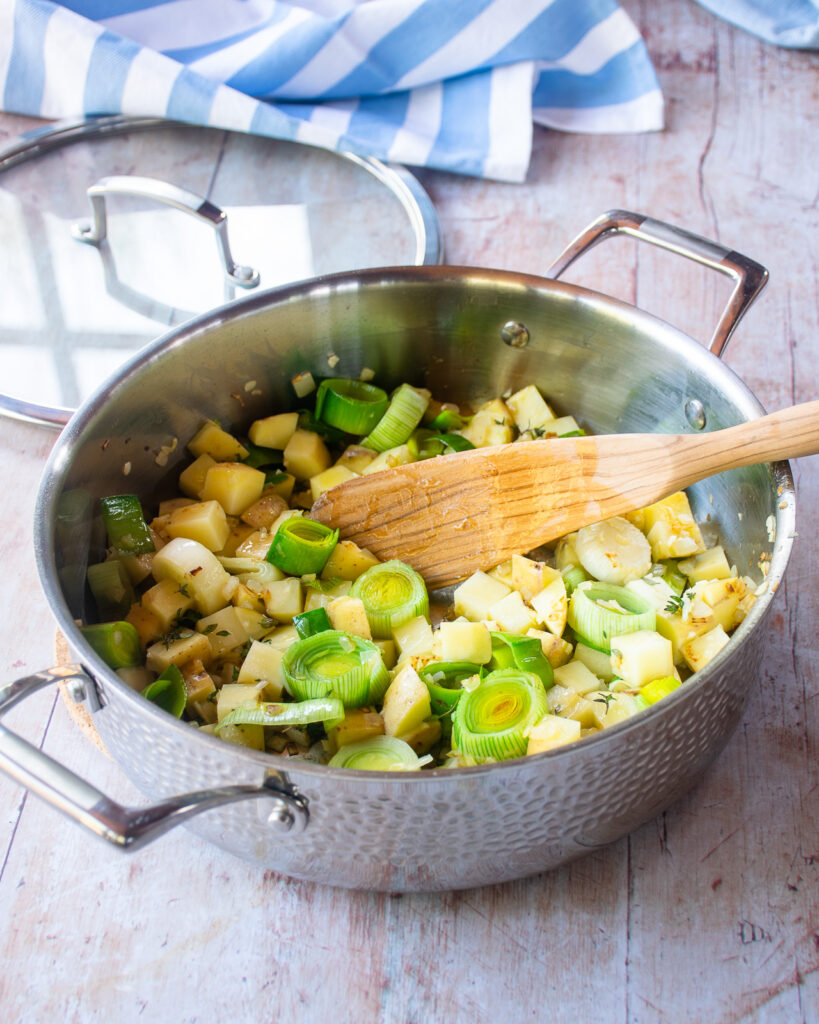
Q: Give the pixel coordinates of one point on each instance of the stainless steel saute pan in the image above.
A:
(469, 334)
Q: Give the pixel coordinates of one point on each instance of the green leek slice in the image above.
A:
(168, 691)
(307, 421)
(600, 611)
(392, 593)
(670, 573)
(125, 524)
(510, 650)
(335, 662)
(431, 445)
(378, 754)
(403, 415)
(261, 458)
(573, 576)
(492, 720)
(302, 546)
(314, 621)
(446, 421)
(657, 689)
(112, 588)
(117, 643)
(305, 712)
(443, 680)
(353, 406)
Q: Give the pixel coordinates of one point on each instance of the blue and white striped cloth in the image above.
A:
(452, 84)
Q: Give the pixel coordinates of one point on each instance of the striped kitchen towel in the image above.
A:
(452, 84)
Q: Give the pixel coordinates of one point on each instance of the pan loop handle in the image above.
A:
(127, 828)
(749, 277)
(171, 195)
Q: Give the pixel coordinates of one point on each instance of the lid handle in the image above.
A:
(171, 195)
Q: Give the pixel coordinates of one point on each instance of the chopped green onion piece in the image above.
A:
(600, 611)
(443, 680)
(314, 621)
(573, 576)
(261, 458)
(127, 530)
(446, 421)
(305, 712)
(301, 546)
(491, 721)
(392, 593)
(658, 688)
(335, 662)
(117, 643)
(112, 588)
(403, 415)
(510, 650)
(378, 754)
(168, 691)
(353, 406)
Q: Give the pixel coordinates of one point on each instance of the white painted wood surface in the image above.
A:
(710, 913)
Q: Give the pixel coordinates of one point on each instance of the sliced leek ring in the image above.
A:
(600, 611)
(336, 662)
(379, 754)
(491, 720)
(392, 594)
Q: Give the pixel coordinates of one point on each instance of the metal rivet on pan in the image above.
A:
(515, 334)
(695, 413)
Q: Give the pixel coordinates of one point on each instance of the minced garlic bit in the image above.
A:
(166, 449)
(332, 360)
(366, 374)
(250, 385)
(303, 383)
(126, 469)
(770, 526)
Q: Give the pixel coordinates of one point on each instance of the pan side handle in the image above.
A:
(124, 827)
(749, 276)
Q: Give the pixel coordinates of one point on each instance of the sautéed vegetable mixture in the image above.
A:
(232, 609)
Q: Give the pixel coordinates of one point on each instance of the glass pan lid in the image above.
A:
(165, 207)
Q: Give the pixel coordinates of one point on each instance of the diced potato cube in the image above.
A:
(146, 623)
(263, 664)
(424, 736)
(192, 479)
(641, 656)
(168, 601)
(224, 629)
(190, 563)
(463, 641)
(204, 521)
(474, 597)
(264, 512)
(531, 577)
(389, 655)
(256, 544)
(283, 599)
(176, 649)
(611, 708)
(316, 598)
(714, 602)
(172, 504)
(557, 427)
(274, 431)
(503, 573)
(285, 482)
(239, 532)
(406, 703)
(282, 637)
(678, 630)
(238, 695)
(348, 561)
(569, 704)
(210, 439)
(413, 637)
(529, 408)
(491, 424)
(511, 614)
(654, 589)
(250, 736)
(597, 662)
(358, 724)
(234, 485)
(349, 615)
(256, 624)
(199, 684)
(552, 731)
(356, 458)
(306, 455)
(701, 649)
(575, 676)
(709, 565)
(552, 606)
(322, 482)
(398, 456)
(671, 528)
(557, 650)
(247, 599)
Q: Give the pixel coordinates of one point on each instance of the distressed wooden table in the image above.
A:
(709, 913)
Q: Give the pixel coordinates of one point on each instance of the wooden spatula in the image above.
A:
(454, 514)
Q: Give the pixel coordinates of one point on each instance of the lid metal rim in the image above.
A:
(414, 200)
